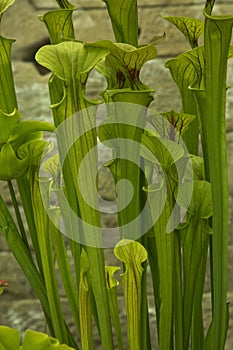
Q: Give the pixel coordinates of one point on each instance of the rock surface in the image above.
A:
(18, 305)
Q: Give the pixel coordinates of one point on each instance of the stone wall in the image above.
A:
(18, 305)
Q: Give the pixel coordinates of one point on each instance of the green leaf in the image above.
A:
(196, 170)
(59, 24)
(85, 304)
(40, 341)
(192, 28)
(218, 32)
(187, 68)
(175, 126)
(200, 205)
(124, 18)
(4, 5)
(40, 192)
(132, 254)
(20, 251)
(9, 338)
(68, 60)
(157, 39)
(8, 101)
(161, 151)
(11, 166)
(27, 131)
(71, 63)
(198, 167)
(201, 102)
(28, 126)
(210, 335)
(209, 6)
(111, 281)
(63, 261)
(194, 246)
(52, 167)
(34, 150)
(8, 123)
(164, 245)
(123, 64)
(107, 133)
(99, 289)
(112, 284)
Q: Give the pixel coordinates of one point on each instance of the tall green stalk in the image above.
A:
(218, 31)
(47, 259)
(20, 251)
(132, 254)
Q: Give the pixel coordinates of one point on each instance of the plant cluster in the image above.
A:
(177, 210)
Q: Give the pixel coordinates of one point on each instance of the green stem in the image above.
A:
(76, 252)
(192, 261)
(73, 231)
(115, 319)
(191, 136)
(164, 243)
(24, 259)
(85, 305)
(18, 215)
(218, 32)
(200, 97)
(66, 275)
(177, 291)
(197, 335)
(153, 262)
(25, 195)
(47, 256)
(132, 254)
(145, 328)
(97, 279)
